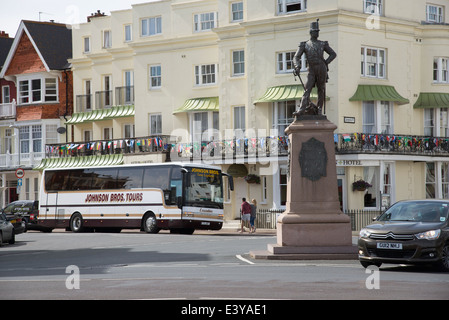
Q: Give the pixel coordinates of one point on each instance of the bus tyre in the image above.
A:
(76, 223)
(150, 223)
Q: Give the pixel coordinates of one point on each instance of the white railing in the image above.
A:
(26, 159)
(8, 110)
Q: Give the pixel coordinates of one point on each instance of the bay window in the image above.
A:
(38, 90)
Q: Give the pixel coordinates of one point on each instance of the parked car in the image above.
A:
(409, 232)
(14, 217)
(6, 230)
(28, 210)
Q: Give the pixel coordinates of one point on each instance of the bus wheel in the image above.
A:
(150, 223)
(76, 223)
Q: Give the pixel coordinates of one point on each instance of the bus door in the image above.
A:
(51, 205)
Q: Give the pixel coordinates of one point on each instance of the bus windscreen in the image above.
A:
(204, 188)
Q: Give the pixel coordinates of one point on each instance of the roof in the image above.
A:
(5, 45)
(52, 42)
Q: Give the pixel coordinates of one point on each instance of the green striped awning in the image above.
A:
(83, 161)
(285, 93)
(199, 104)
(371, 92)
(432, 100)
(102, 114)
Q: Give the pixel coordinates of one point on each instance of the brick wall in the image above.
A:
(26, 59)
(53, 110)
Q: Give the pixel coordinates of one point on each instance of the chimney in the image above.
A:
(3, 34)
(95, 15)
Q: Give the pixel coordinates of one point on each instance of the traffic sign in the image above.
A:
(20, 173)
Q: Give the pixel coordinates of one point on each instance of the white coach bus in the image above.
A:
(173, 196)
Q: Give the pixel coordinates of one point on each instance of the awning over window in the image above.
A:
(199, 104)
(103, 114)
(371, 92)
(285, 93)
(84, 161)
(432, 100)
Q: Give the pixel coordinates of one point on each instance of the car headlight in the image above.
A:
(364, 233)
(429, 235)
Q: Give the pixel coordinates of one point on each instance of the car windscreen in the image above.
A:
(420, 211)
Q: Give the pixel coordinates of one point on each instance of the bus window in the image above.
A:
(130, 178)
(56, 180)
(104, 178)
(156, 177)
(79, 179)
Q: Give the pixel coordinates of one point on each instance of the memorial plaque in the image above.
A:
(313, 159)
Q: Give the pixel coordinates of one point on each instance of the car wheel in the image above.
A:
(76, 223)
(150, 224)
(443, 264)
(1, 239)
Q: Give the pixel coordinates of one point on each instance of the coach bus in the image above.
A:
(176, 197)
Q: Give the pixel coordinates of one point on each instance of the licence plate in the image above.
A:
(389, 245)
(205, 223)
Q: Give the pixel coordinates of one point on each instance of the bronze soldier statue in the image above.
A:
(318, 68)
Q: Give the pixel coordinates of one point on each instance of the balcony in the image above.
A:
(8, 110)
(124, 96)
(391, 144)
(16, 160)
(103, 99)
(84, 103)
(150, 144)
(216, 151)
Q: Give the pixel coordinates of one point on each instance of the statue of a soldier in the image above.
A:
(318, 68)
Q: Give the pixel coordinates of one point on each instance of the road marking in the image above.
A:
(243, 259)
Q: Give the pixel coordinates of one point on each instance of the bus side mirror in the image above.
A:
(179, 202)
(231, 181)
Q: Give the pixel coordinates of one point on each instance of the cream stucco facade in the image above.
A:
(171, 51)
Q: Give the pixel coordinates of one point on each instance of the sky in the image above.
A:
(62, 11)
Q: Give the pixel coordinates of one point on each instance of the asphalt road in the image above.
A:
(205, 265)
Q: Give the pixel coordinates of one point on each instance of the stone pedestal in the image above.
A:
(313, 226)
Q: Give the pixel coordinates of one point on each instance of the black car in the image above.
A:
(409, 232)
(26, 210)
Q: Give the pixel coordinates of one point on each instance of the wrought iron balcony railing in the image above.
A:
(390, 144)
(198, 151)
(124, 96)
(256, 148)
(111, 146)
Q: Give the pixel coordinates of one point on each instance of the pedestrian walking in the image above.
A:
(245, 214)
(252, 218)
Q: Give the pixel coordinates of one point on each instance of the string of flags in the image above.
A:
(143, 143)
(158, 144)
(345, 141)
(391, 141)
